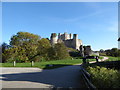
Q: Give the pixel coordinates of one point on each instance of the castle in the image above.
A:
(67, 40)
(71, 41)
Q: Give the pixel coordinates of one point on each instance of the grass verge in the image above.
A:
(46, 64)
(113, 58)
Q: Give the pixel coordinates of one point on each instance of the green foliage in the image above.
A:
(43, 45)
(100, 57)
(27, 47)
(60, 51)
(113, 52)
(3, 48)
(23, 38)
(23, 47)
(102, 54)
(104, 78)
(93, 55)
(75, 54)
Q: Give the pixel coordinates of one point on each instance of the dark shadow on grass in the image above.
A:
(64, 77)
(52, 66)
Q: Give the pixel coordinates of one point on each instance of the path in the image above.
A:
(100, 60)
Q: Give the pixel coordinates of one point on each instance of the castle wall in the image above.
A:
(78, 44)
(53, 38)
(64, 36)
(67, 39)
(69, 43)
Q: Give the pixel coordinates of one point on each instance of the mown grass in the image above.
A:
(100, 57)
(113, 58)
(45, 64)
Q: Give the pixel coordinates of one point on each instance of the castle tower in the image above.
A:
(75, 36)
(59, 36)
(75, 41)
(82, 50)
(53, 38)
(65, 36)
(70, 36)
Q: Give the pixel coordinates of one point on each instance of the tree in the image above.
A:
(22, 38)
(101, 50)
(4, 47)
(43, 48)
(14, 54)
(61, 51)
(113, 52)
(25, 45)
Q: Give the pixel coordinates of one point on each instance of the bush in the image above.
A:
(59, 51)
(104, 78)
(102, 54)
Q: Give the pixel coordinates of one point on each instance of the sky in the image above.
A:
(96, 23)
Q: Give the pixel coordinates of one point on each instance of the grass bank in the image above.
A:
(45, 64)
(113, 58)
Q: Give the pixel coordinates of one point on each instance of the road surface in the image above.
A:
(69, 76)
(66, 77)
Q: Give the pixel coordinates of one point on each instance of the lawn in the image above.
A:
(113, 58)
(45, 64)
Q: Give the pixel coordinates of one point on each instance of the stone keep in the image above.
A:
(67, 39)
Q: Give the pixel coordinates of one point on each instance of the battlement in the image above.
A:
(66, 36)
(70, 40)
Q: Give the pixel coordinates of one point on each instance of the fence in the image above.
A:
(87, 80)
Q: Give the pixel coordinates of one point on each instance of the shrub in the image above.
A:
(104, 78)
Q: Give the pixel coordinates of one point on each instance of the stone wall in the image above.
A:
(67, 39)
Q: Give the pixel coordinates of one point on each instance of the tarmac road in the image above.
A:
(68, 76)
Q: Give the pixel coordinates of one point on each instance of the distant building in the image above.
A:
(71, 41)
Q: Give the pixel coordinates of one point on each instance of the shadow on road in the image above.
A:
(68, 76)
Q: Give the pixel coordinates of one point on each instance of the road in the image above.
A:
(68, 76)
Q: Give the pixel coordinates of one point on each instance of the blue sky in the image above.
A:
(96, 23)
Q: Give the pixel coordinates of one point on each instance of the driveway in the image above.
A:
(68, 76)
